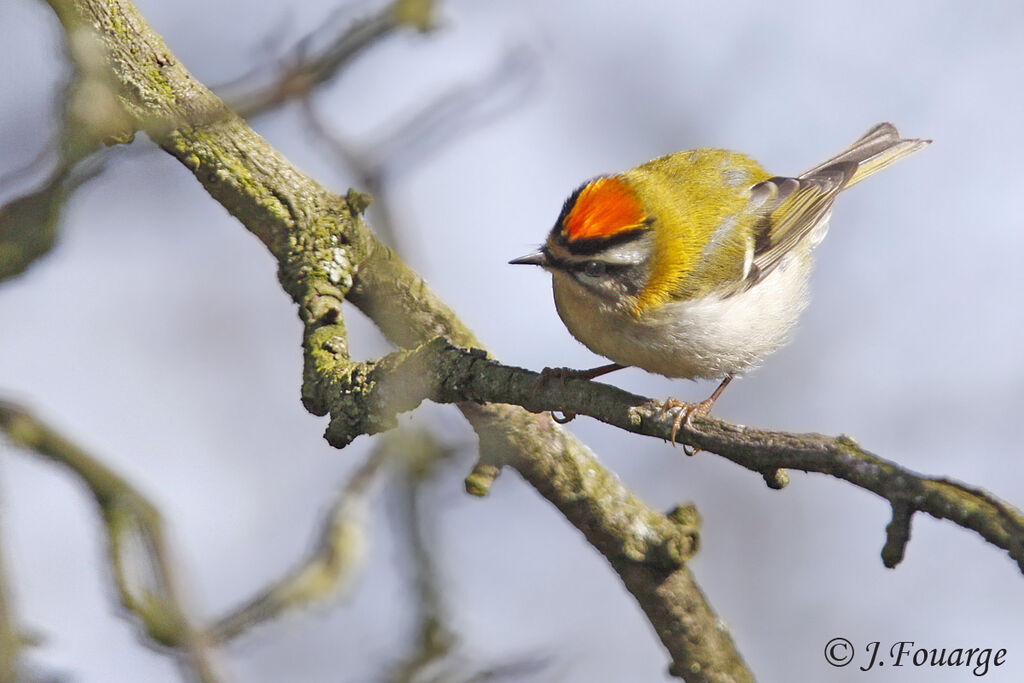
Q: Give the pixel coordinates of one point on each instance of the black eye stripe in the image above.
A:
(594, 267)
(574, 265)
(593, 245)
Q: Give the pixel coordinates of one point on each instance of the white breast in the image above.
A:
(707, 338)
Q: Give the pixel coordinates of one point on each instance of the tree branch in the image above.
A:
(444, 373)
(11, 641)
(91, 116)
(302, 71)
(330, 568)
(142, 572)
(326, 253)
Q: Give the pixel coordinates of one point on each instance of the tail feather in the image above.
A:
(878, 148)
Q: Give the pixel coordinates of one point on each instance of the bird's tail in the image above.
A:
(879, 147)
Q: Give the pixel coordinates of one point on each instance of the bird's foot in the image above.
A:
(685, 417)
(688, 410)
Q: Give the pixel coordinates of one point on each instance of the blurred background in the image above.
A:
(156, 336)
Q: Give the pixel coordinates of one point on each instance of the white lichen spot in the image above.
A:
(640, 529)
(340, 268)
(334, 273)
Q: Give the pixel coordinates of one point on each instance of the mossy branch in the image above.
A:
(441, 372)
(325, 254)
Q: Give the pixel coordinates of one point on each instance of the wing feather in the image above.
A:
(790, 209)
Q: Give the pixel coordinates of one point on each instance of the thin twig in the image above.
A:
(10, 638)
(330, 567)
(420, 453)
(304, 70)
(445, 118)
(142, 571)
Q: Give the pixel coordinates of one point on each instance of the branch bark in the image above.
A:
(326, 253)
(443, 373)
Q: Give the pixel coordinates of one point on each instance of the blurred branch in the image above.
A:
(326, 254)
(11, 642)
(367, 174)
(447, 117)
(332, 565)
(28, 224)
(141, 569)
(305, 68)
(433, 657)
(91, 116)
(420, 453)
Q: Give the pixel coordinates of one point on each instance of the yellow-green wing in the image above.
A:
(790, 209)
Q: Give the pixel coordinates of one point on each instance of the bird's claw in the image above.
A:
(685, 417)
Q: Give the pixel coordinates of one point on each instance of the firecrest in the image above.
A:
(696, 264)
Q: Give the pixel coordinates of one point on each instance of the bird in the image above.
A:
(696, 264)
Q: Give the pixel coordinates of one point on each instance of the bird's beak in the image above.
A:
(537, 258)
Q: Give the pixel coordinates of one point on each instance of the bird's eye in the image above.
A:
(594, 268)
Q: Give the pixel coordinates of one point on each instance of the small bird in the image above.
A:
(696, 264)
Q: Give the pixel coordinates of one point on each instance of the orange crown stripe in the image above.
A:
(604, 208)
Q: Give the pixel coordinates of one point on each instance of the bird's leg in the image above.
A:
(547, 374)
(688, 410)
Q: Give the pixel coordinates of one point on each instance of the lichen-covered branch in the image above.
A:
(326, 254)
(142, 573)
(443, 373)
